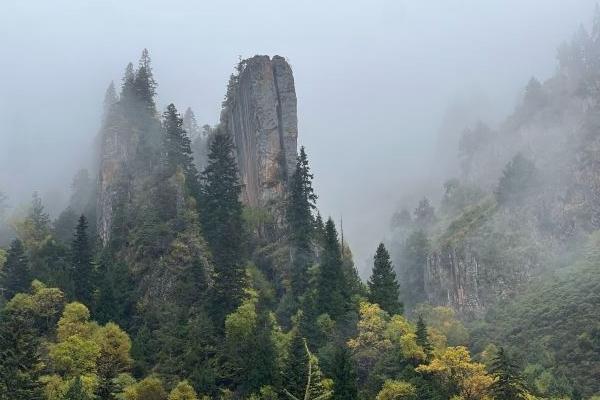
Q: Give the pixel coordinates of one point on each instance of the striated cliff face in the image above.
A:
(260, 114)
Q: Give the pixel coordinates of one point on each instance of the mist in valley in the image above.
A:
(384, 88)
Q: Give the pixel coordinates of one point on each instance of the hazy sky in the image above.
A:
(375, 81)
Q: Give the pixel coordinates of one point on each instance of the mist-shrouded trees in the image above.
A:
(413, 261)
(332, 291)
(301, 203)
(82, 267)
(383, 287)
(222, 224)
(15, 276)
(177, 148)
(519, 179)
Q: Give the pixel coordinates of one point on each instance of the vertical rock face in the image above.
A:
(261, 116)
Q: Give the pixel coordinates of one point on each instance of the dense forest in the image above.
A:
(172, 275)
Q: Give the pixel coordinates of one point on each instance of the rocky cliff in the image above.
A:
(260, 114)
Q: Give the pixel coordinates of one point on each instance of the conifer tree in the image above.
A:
(423, 337)
(345, 383)
(82, 267)
(383, 287)
(15, 273)
(301, 202)
(77, 391)
(296, 367)
(128, 85)
(177, 148)
(221, 218)
(332, 293)
(190, 124)
(19, 358)
(509, 384)
(110, 99)
(145, 85)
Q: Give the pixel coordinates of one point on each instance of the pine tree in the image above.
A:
(300, 221)
(190, 124)
(145, 85)
(383, 287)
(423, 337)
(221, 218)
(77, 391)
(315, 387)
(19, 358)
(39, 219)
(82, 267)
(296, 367)
(332, 293)
(177, 148)
(15, 273)
(345, 383)
(110, 99)
(509, 384)
(128, 85)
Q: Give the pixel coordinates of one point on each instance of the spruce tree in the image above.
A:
(296, 366)
(221, 218)
(77, 391)
(145, 85)
(19, 357)
(82, 266)
(383, 287)
(300, 221)
(177, 148)
(332, 293)
(509, 384)
(128, 85)
(345, 381)
(15, 273)
(423, 337)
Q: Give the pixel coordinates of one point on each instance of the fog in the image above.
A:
(382, 86)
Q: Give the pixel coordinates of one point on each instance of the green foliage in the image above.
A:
(332, 292)
(150, 388)
(509, 383)
(396, 390)
(414, 258)
(549, 324)
(222, 223)
(383, 287)
(82, 267)
(20, 367)
(183, 391)
(15, 275)
(300, 204)
(345, 380)
(519, 180)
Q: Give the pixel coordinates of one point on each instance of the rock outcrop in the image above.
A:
(260, 114)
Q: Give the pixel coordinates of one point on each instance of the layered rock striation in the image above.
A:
(260, 114)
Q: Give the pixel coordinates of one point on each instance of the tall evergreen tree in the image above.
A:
(190, 124)
(82, 267)
(423, 337)
(414, 258)
(509, 384)
(383, 287)
(345, 381)
(77, 391)
(300, 220)
(15, 273)
(332, 293)
(145, 85)
(221, 218)
(19, 358)
(296, 366)
(177, 148)
(128, 85)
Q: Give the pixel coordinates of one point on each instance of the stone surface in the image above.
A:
(262, 118)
